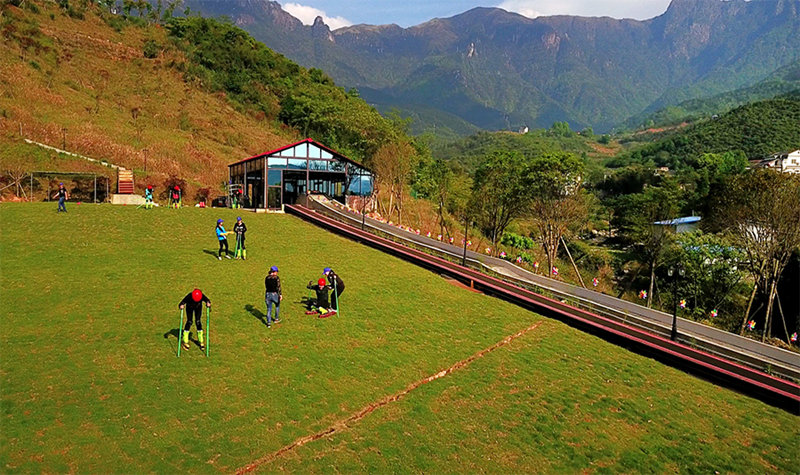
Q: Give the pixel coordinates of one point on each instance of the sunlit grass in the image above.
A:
(91, 383)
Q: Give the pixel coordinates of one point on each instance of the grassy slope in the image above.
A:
(84, 76)
(91, 382)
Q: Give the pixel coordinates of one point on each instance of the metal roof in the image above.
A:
(676, 221)
(333, 152)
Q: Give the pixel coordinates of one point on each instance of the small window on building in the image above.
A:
(297, 164)
(276, 162)
(274, 178)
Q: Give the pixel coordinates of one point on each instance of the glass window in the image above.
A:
(274, 178)
(274, 197)
(325, 154)
(297, 163)
(360, 185)
(317, 165)
(336, 166)
(276, 162)
(301, 150)
(313, 152)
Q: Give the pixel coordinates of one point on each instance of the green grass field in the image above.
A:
(91, 383)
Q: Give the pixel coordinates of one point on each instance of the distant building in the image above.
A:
(787, 162)
(282, 176)
(680, 225)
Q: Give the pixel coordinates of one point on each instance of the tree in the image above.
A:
(393, 165)
(440, 184)
(638, 214)
(501, 192)
(557, 204)
(761, 212)
(713, 267)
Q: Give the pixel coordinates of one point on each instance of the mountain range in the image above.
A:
(491, 69)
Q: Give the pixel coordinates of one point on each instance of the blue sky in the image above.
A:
(339, 13)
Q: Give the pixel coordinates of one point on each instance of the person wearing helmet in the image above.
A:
(320, 305)
(193, 303)
(272, 295)
(175, 197)
(148, 197)
(338, 286)
(62, 195)
(239, 228)
(223, 240)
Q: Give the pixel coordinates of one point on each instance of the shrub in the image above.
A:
(151, 49)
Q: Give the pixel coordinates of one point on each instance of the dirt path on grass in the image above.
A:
(347, 422)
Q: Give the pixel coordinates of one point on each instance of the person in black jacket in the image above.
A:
(193, 303)
(272, 285)
(239, 229)
(320, 305)
(62, 195)
(338, 286)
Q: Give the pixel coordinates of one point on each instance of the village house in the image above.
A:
(787, 162)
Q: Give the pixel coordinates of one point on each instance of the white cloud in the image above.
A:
(307, 15)
(638, 9)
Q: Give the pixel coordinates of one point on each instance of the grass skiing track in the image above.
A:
(90, 381)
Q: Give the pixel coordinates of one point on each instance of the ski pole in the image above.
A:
(336, 292)
(180, 333)
(208, 330)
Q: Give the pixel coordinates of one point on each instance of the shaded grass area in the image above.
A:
(90, 381)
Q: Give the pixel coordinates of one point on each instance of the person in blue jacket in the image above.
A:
(148, 197)
(223, 240)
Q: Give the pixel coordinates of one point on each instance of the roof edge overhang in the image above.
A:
(307, 140)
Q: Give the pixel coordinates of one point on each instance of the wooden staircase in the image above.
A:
(124, 182)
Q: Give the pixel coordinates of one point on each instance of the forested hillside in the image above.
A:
(756, 129)
(499, 70)
(163, 96)
(783, 81)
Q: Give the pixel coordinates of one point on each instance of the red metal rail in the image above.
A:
(780, 391)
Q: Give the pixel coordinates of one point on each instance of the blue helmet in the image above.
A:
(238, 218)
(219, 220)
(326, 270)
(274, 269)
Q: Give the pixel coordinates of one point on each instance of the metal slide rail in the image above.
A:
(777, 362)
(757, 383)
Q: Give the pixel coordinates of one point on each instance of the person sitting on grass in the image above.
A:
(320, 305)
(193, 303)
(223, 241)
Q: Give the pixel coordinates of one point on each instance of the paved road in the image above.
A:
(783, 361)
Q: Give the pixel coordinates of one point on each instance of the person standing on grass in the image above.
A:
(175, 196)
(63, 196)
(239, 228)
(223, 240)
(193, 303)
(148, 197)
(272, 295)
(338, 286)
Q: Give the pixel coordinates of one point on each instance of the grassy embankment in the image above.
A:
(90, 381)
